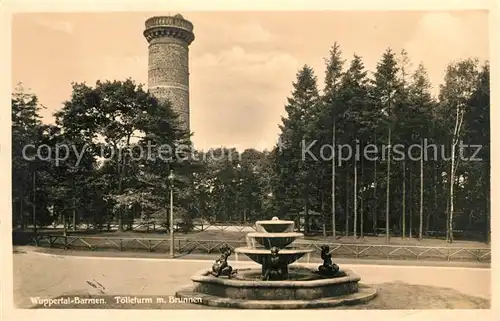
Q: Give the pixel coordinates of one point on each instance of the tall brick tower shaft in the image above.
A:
(169, 38)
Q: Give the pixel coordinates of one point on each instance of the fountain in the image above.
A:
(280, 283)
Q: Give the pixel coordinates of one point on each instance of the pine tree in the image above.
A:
(333, 77)
(354, 95)
(295, 170)
(421, 109)
(404, 64)
(386, 85)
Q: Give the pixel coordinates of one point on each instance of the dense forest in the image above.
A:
(101, 160)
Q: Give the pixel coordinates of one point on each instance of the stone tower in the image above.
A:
(169, 38)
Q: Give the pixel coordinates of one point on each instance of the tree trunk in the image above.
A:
(74, 207)
(486, 192)
(15, 217)
(355, 209)
(323, 212)
(65, 226)
(456, 135)
(361, 210)
(421, 225)
(427, 222)
(411, 206)
(306, 212)
(387, 191)
(403, 215)
(346, 206)
(334, 233)
(488, 218)
(123, 173)
(447, 215)
(374, 208)
(121, 166)
(225, 206)
(21, 205)
(452, 185)
(469, 220)
(34, 202)
(436, 207)
(74, 215)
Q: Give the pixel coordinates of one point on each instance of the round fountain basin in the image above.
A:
(263, 256)
(274, 226)
(233, 288)
(295, 273)
(279, 240)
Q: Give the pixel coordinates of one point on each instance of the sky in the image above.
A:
(242, 64)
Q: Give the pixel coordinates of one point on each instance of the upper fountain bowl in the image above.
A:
(268, 240)
(274, 226)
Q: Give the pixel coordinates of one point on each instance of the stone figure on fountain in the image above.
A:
(275, 270)
(220, 266)
(328, 267)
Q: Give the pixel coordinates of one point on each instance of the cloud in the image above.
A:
(224, 32)
(56, 25)
(264, 67)
(134, 67)
(442, 37)
(240, 93)
(250, 33)
(442, 34)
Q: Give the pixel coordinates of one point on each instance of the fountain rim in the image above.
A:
(282, 251)
(275, 222)
(275, 235)
(204, 276)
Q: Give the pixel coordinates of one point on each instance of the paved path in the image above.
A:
(46, 275)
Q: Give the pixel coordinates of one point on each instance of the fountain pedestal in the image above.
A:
(280, 283)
